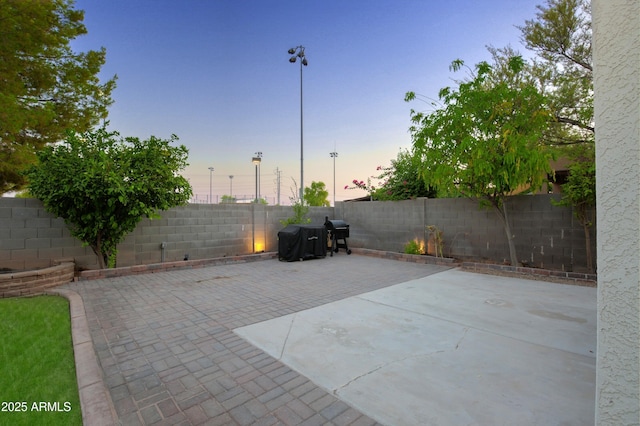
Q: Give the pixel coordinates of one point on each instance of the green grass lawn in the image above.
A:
(37, 369)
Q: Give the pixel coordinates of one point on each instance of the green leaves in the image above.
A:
(316, 195)
(560, 36)
(102, 184)
(45, 87)
(485, 141)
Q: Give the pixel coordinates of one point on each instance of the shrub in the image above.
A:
(413, 247)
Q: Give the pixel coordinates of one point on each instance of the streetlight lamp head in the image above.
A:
(292, 51)
(292, 59)
(304, 61)
(256, 160)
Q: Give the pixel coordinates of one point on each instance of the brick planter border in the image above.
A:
(589, 280)
(96, 274)
(29, 283)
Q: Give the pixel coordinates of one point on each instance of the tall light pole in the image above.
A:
(334, 155)
(298, 52)
(210, 185)
(231, 186)
(256, 160)
(259, 155)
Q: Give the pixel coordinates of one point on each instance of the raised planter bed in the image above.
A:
(28, 283)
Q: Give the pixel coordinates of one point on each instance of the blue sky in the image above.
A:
(216, 73)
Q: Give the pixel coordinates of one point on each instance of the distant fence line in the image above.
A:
(238, 199)
(547, 236)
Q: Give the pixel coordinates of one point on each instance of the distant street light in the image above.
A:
(298, 52)
(231, 186)
(210, 185)
(259, 155)
(334, 155)
(256, 160)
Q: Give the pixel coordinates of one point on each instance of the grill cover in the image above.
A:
(300, 242)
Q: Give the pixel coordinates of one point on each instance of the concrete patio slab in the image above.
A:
(447, 349)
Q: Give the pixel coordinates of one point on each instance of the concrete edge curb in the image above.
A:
(95, 400)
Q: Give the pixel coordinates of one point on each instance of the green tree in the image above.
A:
(484, 142)
(102, 185)
(579, 192)
(403, 181)
(560, 36)
(45, 88)
(228, 199)
(316, 195)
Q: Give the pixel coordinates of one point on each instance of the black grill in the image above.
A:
(300, 242)
(338, 230)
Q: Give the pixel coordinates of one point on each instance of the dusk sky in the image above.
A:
(217, 74)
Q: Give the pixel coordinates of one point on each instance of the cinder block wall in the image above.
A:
(202, 231)
(546, 236)
(383, 225)
(31, 238)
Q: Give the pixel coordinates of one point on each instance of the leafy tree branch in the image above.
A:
(102, 185)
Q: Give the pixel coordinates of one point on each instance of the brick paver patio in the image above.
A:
(166, 344)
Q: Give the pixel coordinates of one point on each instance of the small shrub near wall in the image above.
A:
(414, 247)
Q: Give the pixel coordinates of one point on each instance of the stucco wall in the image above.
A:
(616, 29)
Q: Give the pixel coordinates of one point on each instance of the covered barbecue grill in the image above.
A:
(301, 242)
(338, 230)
